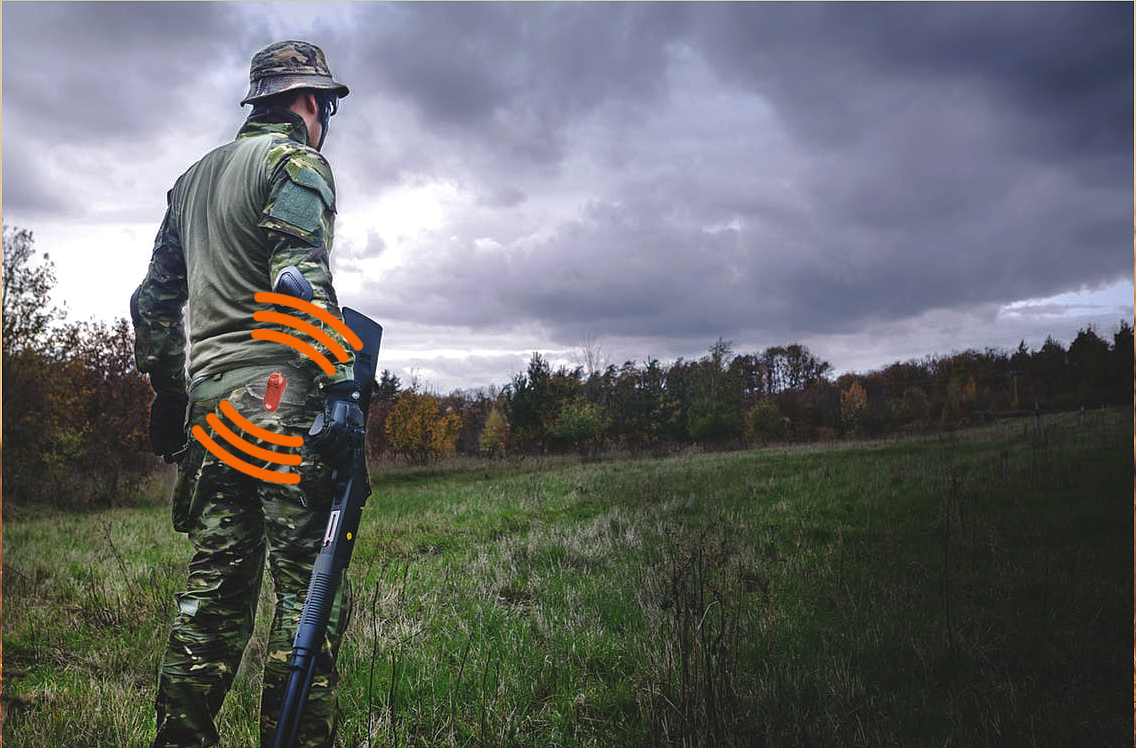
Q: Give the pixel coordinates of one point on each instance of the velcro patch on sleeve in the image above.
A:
(298, 206)
(309, 177)
(303, 198)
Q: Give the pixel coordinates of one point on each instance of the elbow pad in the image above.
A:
(291, 282)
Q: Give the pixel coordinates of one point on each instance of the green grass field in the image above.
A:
(970, 589)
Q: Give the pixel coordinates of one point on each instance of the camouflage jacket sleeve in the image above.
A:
(156, 309)
(300, 218)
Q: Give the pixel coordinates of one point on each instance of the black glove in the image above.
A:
(167, 423)
(340, 428)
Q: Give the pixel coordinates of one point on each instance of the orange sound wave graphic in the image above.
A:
(321, 314)
(299, 345)
(319, 335)
(316, 334)
(263, 434)
(252, 450)
(283, 319)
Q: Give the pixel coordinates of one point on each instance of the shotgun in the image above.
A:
(352, 489)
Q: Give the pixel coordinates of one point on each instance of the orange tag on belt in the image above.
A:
(275, 389)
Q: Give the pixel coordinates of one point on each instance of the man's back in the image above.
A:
(235, 219)
(216, 209)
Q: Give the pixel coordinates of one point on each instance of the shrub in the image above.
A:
(581, 425)
(418, 430)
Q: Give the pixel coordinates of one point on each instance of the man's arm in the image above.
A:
(156, 308)
(300, 218)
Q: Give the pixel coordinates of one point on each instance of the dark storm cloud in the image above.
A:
(964, 154)
(93, 71)
(940, 155)
(104, 102)
(836, 68)
(28, 189)
(509, 78)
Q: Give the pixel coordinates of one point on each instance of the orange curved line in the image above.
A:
(299, 345)
(283, 319)
(306, 306)
(239, 464)
(263, 434)
(263, 454)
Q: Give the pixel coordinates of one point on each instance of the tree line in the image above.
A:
(76, 408)
(781, 394)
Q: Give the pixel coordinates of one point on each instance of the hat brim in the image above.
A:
(276, 84)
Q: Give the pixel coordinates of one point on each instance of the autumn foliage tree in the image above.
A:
(384, 392)
(418, 430)
(853, 404)
(75, 407)
(764, 423)
(495, 435)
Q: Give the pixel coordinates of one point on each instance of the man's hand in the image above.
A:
(340, 428)
(167, 423)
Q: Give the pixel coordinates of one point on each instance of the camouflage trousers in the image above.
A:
(236, 521)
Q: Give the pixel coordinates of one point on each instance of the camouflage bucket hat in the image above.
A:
(285, 66)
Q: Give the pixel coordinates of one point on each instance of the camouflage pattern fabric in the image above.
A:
(155, 309)
(234, 521)
(301, 203)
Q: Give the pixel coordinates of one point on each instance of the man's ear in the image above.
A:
(309, 103)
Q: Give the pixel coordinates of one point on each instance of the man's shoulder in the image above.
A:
(302, 165)
(284, 150)
(302, 193)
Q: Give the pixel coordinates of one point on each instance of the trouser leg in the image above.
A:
(294, 534)
(231, 528)
(215, 616)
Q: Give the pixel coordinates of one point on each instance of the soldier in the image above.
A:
(253, 215)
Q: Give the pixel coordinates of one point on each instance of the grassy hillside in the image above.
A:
(963, 590)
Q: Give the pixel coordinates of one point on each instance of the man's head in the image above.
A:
(315, 107)
(294, 75)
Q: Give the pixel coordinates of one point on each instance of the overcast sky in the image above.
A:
(876, 182)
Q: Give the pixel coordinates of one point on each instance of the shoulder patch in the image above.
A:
(303, 200)
(304, 165)
(298, 206)
(308, 177)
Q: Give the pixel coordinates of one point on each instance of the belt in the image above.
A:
(216, 386)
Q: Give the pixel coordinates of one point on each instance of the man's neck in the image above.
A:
(277, 119)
